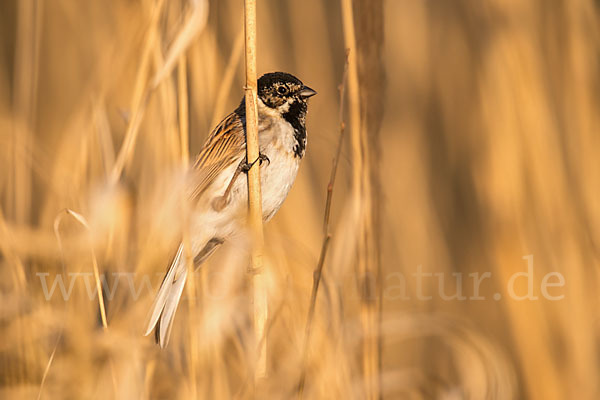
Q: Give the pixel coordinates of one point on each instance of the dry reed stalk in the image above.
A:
(182, 91)
(194, 24)
(48, 365)
(140, 96)
(148, 374)
(26, 65)
(327, 235)
(81, 219)
(370, 36)
(29, 18)
(259, 295)
(104, 136)
(59, 337)
(183, 110)
(8, 251)
(361, 194)
(227, 82)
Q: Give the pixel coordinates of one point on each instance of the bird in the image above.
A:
(218, 191)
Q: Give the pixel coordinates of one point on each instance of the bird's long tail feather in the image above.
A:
(167, 299)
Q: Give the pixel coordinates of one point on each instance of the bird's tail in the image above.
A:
(167, 299)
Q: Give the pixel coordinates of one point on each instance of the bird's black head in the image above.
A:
(279, 90)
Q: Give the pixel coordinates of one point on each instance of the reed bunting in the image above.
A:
(219, 191)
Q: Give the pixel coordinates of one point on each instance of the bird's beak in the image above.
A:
(307, 92)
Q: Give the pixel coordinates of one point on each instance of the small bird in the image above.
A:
(219, 194)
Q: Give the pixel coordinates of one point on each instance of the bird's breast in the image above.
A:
(277, 178)
(277, 175)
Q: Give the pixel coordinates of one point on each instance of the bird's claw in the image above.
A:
(262, 157)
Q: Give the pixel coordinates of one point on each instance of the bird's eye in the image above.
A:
(282, 90)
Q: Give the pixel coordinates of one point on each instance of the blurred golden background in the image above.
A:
(476, 158)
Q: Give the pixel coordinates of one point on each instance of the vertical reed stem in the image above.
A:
(259, 300)
(361, 191)
(183, 110)
(182, 91)
(327, 237)
(29, 19)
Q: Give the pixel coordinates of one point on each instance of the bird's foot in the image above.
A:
(245, 166)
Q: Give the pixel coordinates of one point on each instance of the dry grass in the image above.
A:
(487, 152)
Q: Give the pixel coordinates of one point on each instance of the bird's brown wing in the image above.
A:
(225, 145)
